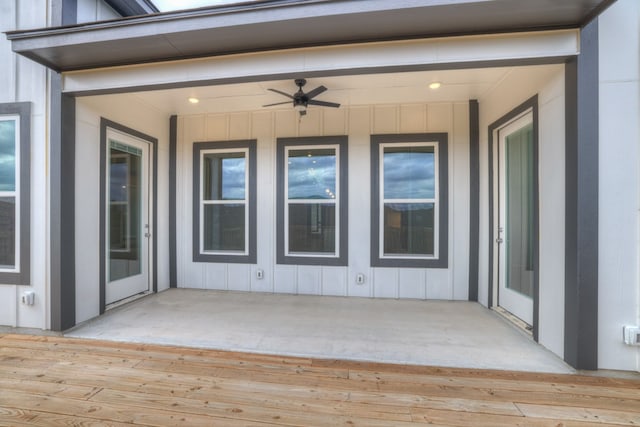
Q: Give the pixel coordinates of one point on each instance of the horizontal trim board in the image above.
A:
(407, 55)
(187, 34)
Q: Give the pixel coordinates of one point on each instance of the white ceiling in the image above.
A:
(404, 88)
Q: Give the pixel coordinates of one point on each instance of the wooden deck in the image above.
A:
(48, 381)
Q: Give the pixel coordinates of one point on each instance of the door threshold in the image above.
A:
(126, 300)
(514, 320)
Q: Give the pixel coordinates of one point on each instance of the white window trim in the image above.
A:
(244, 201)
(434, 200)
(335, 201)
(15, 193)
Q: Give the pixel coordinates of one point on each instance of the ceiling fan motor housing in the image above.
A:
(301, 99)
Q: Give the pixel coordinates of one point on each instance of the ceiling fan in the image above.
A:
(301, 100)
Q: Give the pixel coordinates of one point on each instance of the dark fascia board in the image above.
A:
(282, 24)
(133, 7)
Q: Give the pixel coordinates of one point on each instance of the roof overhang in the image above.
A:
(281, 24)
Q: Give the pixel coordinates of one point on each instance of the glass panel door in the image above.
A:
(516, 218)
(128, 228)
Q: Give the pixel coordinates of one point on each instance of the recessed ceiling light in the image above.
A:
(194, 100)
(435, 85)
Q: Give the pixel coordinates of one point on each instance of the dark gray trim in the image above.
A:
(251, 257)
(153, 142)
(62, 199)
(173, 159)
(132, 7)
(62, 160)
(69, 12)
(474, 197)
(341, 141)
(187, 34)
(581, 210)
(596, 12)
(443, 194)
(23, 110)
(530, 104)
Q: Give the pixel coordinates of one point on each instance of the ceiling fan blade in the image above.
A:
(315, 92)
(277, 103)
(324, 103)
(281, 93)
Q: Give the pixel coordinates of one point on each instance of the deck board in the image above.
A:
(48, 380)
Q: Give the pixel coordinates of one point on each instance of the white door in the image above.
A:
(516, 217)
(127, 227)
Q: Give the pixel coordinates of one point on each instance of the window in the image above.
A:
(14, 193)
(409, 200)
(224, 201)
(312, 211)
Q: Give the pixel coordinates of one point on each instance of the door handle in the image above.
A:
(499, 240)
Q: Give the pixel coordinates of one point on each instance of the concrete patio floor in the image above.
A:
(437, 333)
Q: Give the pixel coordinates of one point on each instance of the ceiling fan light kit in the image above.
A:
(302, 100)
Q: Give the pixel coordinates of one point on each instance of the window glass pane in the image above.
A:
(7, 155)
(408, 229)
(312, 173)
(223, 176)
(409, 172)
(7, 232)
(224, 227)
(125, 202)
(312, 228)
(519, 207)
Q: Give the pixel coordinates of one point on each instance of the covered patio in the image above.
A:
(172, 113)
(435, 333)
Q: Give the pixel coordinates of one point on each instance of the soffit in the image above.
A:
(280, 24)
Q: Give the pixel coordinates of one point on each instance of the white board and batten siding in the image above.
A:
(619, 184)
(23, 80)
(358, 123)
(126, 111)
(94, 11)
(518, 86)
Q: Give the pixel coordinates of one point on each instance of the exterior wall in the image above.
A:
(127, 111)
(95, 10)
(358, 123)
(23, 80)
(619, 189)
(516, 88)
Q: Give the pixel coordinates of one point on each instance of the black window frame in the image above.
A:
(251, 256)
(441, 140)
(342, 215)
(23, 275)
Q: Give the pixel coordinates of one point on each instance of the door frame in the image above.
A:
(529, 105)
(153, 205)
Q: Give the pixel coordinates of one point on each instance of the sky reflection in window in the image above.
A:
(224, 176)
(409, 172)
(312, 173)
(7, 155)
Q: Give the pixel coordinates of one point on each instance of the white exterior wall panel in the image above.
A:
(127, 111)
(95, 10)
(359, 123)
(25, 81)
(517, 87)
(619, 189)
